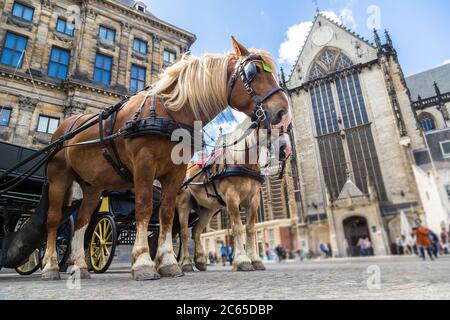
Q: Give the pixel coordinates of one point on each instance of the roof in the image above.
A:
(132, 3)
(336, 23)
(421, 84)
(350, 190)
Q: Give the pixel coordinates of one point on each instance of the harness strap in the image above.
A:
(114, 160)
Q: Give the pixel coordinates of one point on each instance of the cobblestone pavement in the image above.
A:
(400, 278)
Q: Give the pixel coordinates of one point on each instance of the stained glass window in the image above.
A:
(351, 100)
(324, 109)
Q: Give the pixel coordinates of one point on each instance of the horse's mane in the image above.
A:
(200, 83)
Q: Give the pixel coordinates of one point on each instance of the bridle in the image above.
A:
(246, 69)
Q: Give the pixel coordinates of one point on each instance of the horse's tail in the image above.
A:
(18, 246)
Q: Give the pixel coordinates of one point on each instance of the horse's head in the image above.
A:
(254, 90)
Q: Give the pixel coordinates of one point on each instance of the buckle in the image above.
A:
(260, 113)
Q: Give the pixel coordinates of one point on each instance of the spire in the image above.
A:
(283, 79)
(436, 88)
(377, 39)
(388, 39)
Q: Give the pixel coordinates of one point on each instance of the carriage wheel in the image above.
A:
(102, 243)
(34, 260)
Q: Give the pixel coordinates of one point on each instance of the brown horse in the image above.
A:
(194, 89)
(231, 192)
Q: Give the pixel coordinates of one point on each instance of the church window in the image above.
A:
(427, 122)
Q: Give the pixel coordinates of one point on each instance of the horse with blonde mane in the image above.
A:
(194, 89)
(229, 178)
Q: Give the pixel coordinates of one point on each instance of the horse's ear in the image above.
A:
(241, 51)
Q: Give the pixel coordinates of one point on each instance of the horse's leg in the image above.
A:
(60, 181)
(166, 263)
(200, 259)
(143, 268)
(241, 260)
(91, 199)
(250, 243)
(184, 207)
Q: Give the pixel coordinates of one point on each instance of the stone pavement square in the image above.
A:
(367, 278)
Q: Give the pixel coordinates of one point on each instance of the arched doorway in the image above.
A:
(355, 228)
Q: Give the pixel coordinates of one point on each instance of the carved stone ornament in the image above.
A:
(19, 23)
(28, 103)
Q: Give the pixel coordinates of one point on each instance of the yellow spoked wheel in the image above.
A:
(102, 243)
(34, 260)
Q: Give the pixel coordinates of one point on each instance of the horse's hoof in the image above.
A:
(145, 274)
(258, 266)
(51, 275)
(244, 267)
(84, 274)
(187, 268)
(201, 266)
(172, 271)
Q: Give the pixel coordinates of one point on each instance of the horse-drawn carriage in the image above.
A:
(136, 141)
(113, 223)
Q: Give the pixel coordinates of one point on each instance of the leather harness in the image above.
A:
(164, 127)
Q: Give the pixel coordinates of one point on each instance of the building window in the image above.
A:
(351, 101)
(14, 49)
(137, 79)
(140, 46)
(47, 124)
(445, 147)
(5, 115)
(169, 57)
(107, 34)
(64, 27)
(23, 12)
(102, 71)
(427, 122)
(324, 109)
(59, 63)
(141, 8)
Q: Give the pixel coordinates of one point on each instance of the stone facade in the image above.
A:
(29, 92)
(365, 85)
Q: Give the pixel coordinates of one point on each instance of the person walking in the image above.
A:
(406, 247)
(325, 250)
(362, 247)
(230, 255)
(445, 241)
(223, 253)
(423, 240)
(434, 243)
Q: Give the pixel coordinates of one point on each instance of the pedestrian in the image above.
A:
(368, 246)
(268, 252)
(223, 253)
(346, 247)
(211, 257)
(434, 243)
(279, 251)
(406, 247)
(230, 255)
(423, 240)
(445, 241)
(324, 249)
(399, 246)
(362, 247)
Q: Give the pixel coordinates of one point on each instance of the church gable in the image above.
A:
(326, 36)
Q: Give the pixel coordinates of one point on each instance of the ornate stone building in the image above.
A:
(430, 93)
(355, 129)
(65, 57)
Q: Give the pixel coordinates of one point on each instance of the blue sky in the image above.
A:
(419, 28)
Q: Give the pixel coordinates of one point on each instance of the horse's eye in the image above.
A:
(251, 71)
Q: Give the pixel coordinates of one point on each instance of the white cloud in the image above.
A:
(295, 38)
(348, 19)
